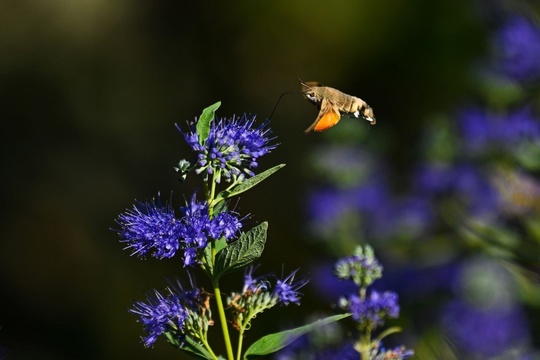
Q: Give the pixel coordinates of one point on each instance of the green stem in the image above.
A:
(210, 194)
(364, 346)
(223, 320)
(207, 346)
(239, 347)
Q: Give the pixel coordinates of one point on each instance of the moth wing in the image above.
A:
(328, 116)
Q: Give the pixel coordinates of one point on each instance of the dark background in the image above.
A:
(90, 92)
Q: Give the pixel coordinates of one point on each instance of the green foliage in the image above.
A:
(271, 343)
(245, 185)
(242, 252)
(203, 124)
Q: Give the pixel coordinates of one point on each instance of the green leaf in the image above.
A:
(195, 348)
(274, 342)
(246, 185)
(242, 252)
(190, 345)
(203, 125)
(219, 244)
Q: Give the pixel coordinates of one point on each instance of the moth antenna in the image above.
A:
(279, 99)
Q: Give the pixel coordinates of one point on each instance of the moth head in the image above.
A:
(309, 89)
(367, 113)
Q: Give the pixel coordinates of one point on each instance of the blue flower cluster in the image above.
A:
(258, 294)
(484, 131)
(153, 229)
(167, 313)
(363, 268)
(371, 311)
(518, 47)
(232, 148)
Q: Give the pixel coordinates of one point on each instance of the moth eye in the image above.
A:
(311, 96)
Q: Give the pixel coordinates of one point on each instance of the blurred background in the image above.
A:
(444, 187)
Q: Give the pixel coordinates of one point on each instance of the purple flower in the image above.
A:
(484, 331)
(155, 230)
(197, 228)
(476, 129)
(518, 42)
(410, 216)
(232, 147)
(165, 313)
(328, 286)
(149, 228)
(372, 311)
(481, 130)
(286, 289)
(432, 179)
(520, 125)
(475, 190)
(253, 284)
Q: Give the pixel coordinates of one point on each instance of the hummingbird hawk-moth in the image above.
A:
(332, 103)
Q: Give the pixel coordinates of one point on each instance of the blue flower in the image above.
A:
(486, 332)
(476, 129)
(165, 313)
(475, 191)
(481, 130)
(197, 228)
(232, 148)
(155, 230)
(433, 179)
(520, 125)
(372, 311)
(254, 285)
(149, 228)
(518, 43)
(286, 289)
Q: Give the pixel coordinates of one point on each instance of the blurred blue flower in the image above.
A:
(374, 309)
(518, 45)
(409, 215)
(370, 196)
(232, 147)
(328, 286)
(483, 131)
(475, 191)
(484, 331)
(517, 126)
(432, 179)
(327, 206)
(475, 128)
(150, 228)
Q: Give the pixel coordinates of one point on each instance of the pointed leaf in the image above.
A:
(195, 348)
(242, 252)
(190, 345)
(203, 124)
(274, 342)
(219, 244)
(247, 184)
